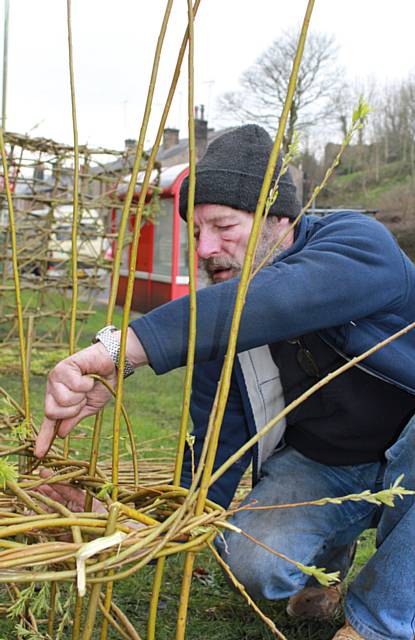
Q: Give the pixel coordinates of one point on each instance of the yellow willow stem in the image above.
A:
(72, 521)
(276, 632)
(12, 230)
(29, 576)
(52, 608)
(96, 589)
(321, 383)
(76, 532)
(72, 328)
(155, 592)
(137, 165)
(107, 606)
(191, 252)
(310, 570)
(184, 595)
(74, 249)
(76, 629)
(246, 269)
(93, 461)
(132, 633)
(32, 484)
(128, 424)
(111, 620)
(134, 251)
(184, 423)
(132, 266)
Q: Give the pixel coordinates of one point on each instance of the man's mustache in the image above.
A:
(211, 265)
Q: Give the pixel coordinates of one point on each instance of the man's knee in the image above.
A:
(263, 574)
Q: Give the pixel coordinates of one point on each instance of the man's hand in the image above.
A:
(72, 395)
(73, 499)
(70, 497)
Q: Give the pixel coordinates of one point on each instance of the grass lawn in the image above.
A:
(217, 613)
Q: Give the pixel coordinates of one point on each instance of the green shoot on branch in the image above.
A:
(386, 496)
(325, 579)
(8, 472)
(293, 151)
(105, 490)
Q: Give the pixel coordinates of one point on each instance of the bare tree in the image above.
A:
(263, 86)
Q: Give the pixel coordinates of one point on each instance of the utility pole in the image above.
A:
(5, 52)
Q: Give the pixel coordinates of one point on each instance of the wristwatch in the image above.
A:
(112, 345)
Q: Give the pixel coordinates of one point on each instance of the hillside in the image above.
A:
(390, 189)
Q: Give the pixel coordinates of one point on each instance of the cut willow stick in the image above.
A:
(125, 217)
(133, 259)
(139, 211)
(324, 578)
(125, 214)
(16, 277)
(74, 247)
(93, 460)
(246, 269)
(52, 608)
(385, 496)
(76, 629)
(179, 457)
(155, 593)
(74, 252)
(321, 383)
(128, 424)
(131, 274)
(111, 620)
(136, 233)
(184, 423)
(96, 589)
(245, 594)
(132, 633)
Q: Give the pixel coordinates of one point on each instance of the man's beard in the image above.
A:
(265, 243)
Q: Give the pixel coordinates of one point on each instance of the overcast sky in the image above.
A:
(115, 40)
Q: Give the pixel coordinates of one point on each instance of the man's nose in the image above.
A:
(208, 245)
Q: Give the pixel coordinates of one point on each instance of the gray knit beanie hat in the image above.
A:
(232, 171)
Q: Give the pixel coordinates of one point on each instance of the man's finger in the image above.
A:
(45, 437)
(55, 411)
(65, 397)
(45, 473)
(69, 423)
(49, 492)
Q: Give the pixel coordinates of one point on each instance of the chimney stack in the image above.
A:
(130, 144)
(201, 131)
(170, 138)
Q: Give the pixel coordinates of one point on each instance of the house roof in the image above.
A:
(178, 149)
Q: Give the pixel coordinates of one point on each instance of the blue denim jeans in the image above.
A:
(380, 603)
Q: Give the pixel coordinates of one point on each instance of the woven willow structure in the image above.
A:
(41, 180)
(44, 546)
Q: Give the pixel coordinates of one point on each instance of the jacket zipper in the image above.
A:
(362, 367)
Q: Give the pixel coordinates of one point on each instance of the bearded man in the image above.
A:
(336, 287)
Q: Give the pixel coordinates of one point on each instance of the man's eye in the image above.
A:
(226, 226)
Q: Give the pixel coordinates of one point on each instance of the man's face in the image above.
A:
(222, 235)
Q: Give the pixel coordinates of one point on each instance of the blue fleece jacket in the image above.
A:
(344, 276)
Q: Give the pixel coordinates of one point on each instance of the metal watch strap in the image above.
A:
(112, 345)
